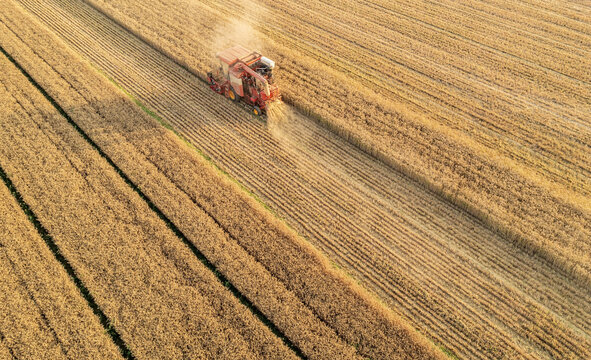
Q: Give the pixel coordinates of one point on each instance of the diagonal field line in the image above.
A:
(10, 351)
(104, 320)
(54, 248)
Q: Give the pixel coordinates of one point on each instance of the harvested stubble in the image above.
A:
(140, 147)
(505, 135)
(42, 314)
(463, 285)
(165, 303)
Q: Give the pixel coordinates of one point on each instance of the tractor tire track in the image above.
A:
(5, 349)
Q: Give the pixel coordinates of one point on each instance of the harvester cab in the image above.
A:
(247, 76)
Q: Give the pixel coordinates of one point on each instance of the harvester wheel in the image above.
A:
(232, 95)
(256, 111)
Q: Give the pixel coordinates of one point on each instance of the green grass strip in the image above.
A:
(183, 138)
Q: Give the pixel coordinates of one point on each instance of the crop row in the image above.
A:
(327, 213)
(510, 197)
(93, 225)
(521, 35)
(153, 85)
(143, 165)
(42, 312)
(395, 57)
(263, 166)
(451, 79)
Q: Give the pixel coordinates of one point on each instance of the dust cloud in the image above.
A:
(240, 30)
(280, 120)
(237, 32)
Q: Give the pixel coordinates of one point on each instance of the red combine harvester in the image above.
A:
(245, 75)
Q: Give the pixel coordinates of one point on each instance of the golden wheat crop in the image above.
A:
(316, 307)
(42, 313)
(453, 278)
(139, 272)
(474, 119)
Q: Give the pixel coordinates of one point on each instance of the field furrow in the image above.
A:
(327, 320)
(65, 158)
(272, 181)
(5, 351)
(433, 264)
(531, 170)
(43, 314)
(26, 325)
(443, 88)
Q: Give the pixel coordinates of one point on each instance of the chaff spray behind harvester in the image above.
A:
(245, 75)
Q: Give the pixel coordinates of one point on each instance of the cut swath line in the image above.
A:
(223, 280)
(32, 297)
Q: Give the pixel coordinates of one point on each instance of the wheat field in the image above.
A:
(441, 170)
(486, 121)
(42, 312)
(100, 157)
